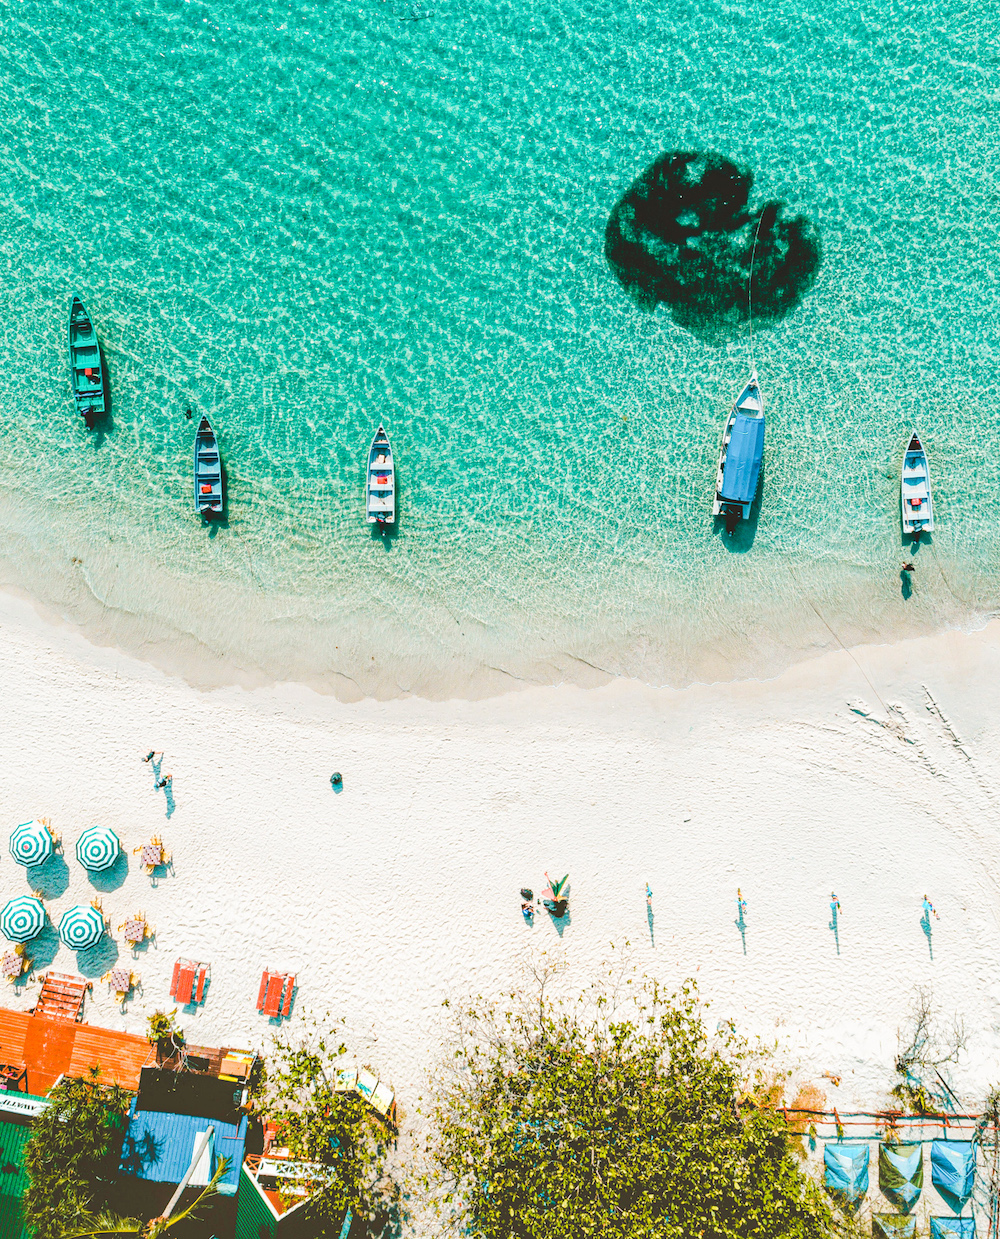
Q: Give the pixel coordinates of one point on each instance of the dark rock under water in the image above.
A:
(683, 235)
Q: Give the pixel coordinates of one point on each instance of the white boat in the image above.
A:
(740, 456)
(915, 490)
(380, 488)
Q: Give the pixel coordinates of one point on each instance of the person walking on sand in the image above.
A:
(649, 893)
(167, 778)
(150, 755)
(929, 910)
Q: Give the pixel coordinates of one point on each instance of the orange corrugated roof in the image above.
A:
(48, 1048)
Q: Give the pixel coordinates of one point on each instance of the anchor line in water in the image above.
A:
(753, 253)
(848, 652)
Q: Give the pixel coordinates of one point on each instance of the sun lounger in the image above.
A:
(382, 1098)
(289, 986)
(202, 976)
(367, 1083)
(265, 977)
(347, 1080)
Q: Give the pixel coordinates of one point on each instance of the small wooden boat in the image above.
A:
(740, 456)
(209, 498)
(381, 485)
(85, 370)
(915, 490)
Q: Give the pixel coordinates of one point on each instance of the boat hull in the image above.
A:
(380, 483)
(209, 482)
(740, 457)
(86, 368)
(916, 500)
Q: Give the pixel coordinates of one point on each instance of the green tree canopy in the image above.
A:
(337, 1132)
(560, 1121)
(73, 1155)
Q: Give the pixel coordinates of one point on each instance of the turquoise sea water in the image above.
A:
(306, 219)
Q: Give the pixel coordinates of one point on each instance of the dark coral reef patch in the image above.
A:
(683, 235)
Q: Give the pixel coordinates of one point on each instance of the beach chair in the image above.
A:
(383, 1099)
(367, 1083)
(262, 992)
(289, 986)
(202, 976)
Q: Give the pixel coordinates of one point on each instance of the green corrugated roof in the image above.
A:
(254, 1220)
(13, 1180)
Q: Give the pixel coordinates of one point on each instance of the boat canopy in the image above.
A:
(743, 457)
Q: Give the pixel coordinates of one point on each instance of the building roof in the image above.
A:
(159, 1146)
(49, 1048)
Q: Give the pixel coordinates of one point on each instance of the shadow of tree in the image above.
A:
(682, 235)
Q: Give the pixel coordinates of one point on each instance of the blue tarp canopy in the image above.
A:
(901, 1173)
(953, 1169)
(846, 1174)
(743, 457)
(953, 1228)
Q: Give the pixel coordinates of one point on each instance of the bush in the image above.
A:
(570, 1123)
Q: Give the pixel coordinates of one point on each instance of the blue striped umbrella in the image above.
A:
(22, 918)
(30, 843)
(97, 848)
(81, 927)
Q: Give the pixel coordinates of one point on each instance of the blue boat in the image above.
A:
(740, 457)
(209, 496)
(86, 374)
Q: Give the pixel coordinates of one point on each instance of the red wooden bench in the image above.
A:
(188, 982)
(274, 998)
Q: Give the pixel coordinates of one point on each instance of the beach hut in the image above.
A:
(274, 1190)
(22, 918)
(98, 848)
(31, 843)
(81, 926)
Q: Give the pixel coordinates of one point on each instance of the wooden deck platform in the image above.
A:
(48, 1047)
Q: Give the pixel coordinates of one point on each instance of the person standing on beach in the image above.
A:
(929, 910)
(167, 778)
(150, 755)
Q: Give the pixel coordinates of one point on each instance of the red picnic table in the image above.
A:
(188, 983)
(275, 996)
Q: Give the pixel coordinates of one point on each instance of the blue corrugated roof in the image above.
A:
(159, 1146)
(743, 457)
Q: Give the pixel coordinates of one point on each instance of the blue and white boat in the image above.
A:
(209, 499)
(740, 457)
(915, 484)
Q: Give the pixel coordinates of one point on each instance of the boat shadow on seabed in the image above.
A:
(741, 539)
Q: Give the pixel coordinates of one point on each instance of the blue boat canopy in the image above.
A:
(743, 457)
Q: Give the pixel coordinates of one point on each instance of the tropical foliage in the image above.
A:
(72, 1157)
(611, 1117)
(339, 1136)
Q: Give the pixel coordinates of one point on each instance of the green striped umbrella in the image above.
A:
(97, 848)
(31, 843)
(81, 927)
(22, 918)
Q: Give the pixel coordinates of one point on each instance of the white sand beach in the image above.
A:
(402, 890)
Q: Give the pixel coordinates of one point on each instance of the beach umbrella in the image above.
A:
(31, 843)
(97, 848)
(22, 918)
(81, 927)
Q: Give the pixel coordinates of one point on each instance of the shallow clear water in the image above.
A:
(307, 219)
